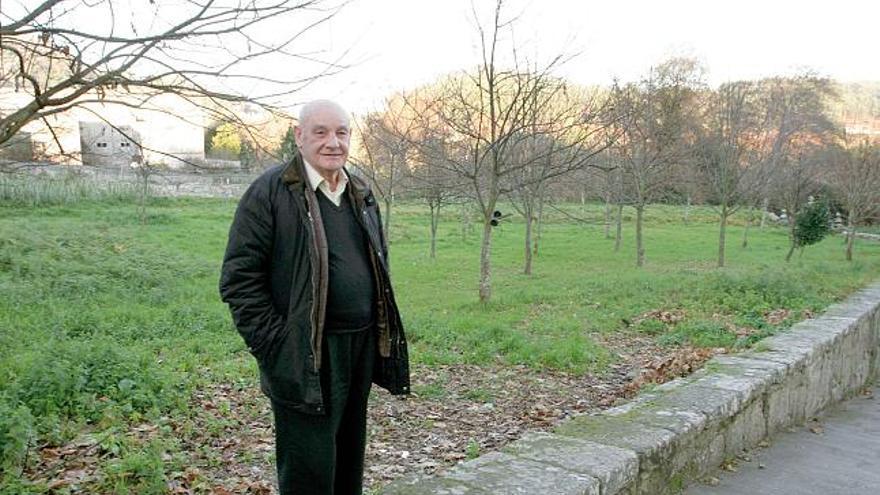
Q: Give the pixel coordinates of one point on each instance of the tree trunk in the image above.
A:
(387, 212)
(850, 236)
(389, 200)
(687, 210)
(745, 242)
(539, 225)
(790, 252)
(608, 215)
(527, 269)
(465, 222)
(722, 233)
(145, 190)
(618, 236)
(640, 247)
(791, 224)
(764, 212)
(485, 260)
(435, 221)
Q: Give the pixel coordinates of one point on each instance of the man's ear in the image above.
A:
(297, 135)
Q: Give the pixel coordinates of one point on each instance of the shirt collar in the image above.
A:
(315, 178)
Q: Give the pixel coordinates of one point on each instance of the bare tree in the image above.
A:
(797, 130)
(385, 145)
(401, 152)
(64, 54)
(528, 192)
(796, 181)
(487, 112)
(434, 183)
(727, 152)
(655, 117)
(855, 178)
(606, 174)
(570, 135)
(618, 197)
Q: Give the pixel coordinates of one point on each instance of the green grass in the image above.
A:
(581, 288)
(105, 322)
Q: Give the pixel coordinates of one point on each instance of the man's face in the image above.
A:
(323, 139)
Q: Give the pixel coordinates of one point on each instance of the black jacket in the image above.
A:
(274, 278)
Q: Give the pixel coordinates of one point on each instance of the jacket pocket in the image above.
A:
(287, 369)
(392, 373)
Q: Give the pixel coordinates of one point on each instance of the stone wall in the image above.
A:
(216, 183)
(684, 429)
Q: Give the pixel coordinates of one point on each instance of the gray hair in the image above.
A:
(309, 108)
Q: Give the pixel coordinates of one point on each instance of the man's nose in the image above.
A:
(333, 142)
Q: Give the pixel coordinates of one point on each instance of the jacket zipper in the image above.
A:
(313, 314)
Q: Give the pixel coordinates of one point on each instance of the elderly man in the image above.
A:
(306, 278)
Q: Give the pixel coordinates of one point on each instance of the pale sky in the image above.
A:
(400, 44)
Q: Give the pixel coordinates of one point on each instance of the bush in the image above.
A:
(226, 142)
(813, 224)
(288, 145)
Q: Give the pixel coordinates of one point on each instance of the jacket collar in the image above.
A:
(295, 174)
(294, 171)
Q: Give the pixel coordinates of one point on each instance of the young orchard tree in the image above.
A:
(556, 145)
(796, 131)
(434, 182)
(605, 175)
(487, 112)
(616, 185)
(797, 180)
(385, 145)
(726, 151)
(656, 118)
(528, 193)
(855, 179)
(602, 179)
(398, 152)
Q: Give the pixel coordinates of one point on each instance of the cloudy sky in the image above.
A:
(399, 44)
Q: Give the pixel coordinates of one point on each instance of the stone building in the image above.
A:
(162, 129)
(105, 145)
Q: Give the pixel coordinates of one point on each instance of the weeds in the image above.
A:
(473, 450)
(137, 471)
(700, 333)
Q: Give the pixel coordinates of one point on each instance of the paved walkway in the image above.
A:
(837, 455)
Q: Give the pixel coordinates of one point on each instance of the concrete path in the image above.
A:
(837, 455)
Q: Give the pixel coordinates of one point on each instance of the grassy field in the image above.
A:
(105, 322)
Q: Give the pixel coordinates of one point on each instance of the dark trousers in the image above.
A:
(324, 455)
